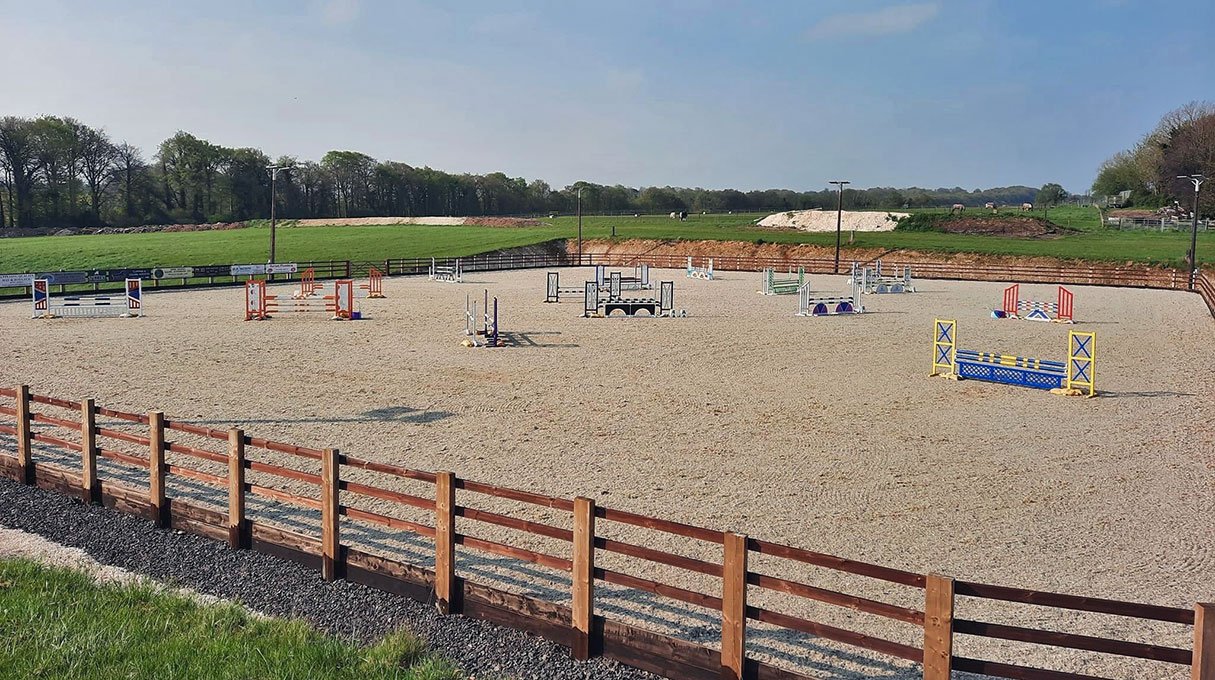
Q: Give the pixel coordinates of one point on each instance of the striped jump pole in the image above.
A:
(260, 306)
(128, 304)
(1076, 376)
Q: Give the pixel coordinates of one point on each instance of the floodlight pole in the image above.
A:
(579, 226)
(273, 200)
(1197, 180)
(839, 219)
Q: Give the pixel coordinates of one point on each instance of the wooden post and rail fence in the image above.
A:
(578, 626)
(1131, 276)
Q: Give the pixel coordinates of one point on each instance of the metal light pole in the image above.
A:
(1197, 180)
(839, 219)
(273, 200)
(579, 226)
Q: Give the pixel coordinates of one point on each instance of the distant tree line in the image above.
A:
(1182, 143)
(59, 172)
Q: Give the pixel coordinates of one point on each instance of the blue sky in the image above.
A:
(684, 92)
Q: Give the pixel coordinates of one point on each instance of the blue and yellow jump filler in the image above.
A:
(1075, 377)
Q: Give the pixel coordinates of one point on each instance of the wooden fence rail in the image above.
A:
(1140, 276)
(577, 626)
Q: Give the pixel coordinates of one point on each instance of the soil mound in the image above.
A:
(825, 220)
(1015, 226)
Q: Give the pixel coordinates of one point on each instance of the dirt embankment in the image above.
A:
(786, 251)
(1002, 225)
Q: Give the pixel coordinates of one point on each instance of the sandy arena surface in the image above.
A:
(823, 433)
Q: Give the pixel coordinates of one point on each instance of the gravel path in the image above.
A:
(280, 588)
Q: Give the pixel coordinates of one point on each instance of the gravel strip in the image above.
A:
(277, 587)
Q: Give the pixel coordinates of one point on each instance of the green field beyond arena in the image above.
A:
(49, 253)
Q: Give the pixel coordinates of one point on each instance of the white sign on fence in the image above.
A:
(248, 269)
(173, 273)
(286, 268)
(16, 280)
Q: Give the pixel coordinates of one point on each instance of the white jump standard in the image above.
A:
(554, 291)
(705, 273)
(775, 286)
(488, 323)
(640, 280)
(872, 280)
(599, 307)
(259, 306)
(810, 303)
(115, 305)
(448, 273)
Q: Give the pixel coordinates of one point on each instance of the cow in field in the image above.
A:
(957, 208)
(1026, 207)
(674, 215)
(989, 205)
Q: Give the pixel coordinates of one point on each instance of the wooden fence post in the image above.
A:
(237, 533)
(445, 540)
(156, 468)
(938, 627)
(331, 542)
(89, 489)
(582, 579)
(25, 446)
(1204, 642)
(733, 606)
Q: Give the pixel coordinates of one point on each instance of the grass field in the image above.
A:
(1073, 216)
(250, 245)
(58, 623)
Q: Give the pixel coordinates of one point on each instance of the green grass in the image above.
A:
(57, 623)
(251, 245)
(1074, 216)
(372, 243)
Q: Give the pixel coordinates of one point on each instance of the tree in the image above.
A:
(58, 149)
(97, 158)
(190, 167)
(351, 172)
(1120, 173)
(1190, 151)
(1181, 143)
(129, 169)
(246, 183)
(1050, 194)
(19, 152)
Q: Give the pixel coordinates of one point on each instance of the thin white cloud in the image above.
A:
(339, 12)
(505, 23)
(886, 21)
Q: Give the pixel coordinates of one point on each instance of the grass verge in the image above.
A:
(59, 623)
